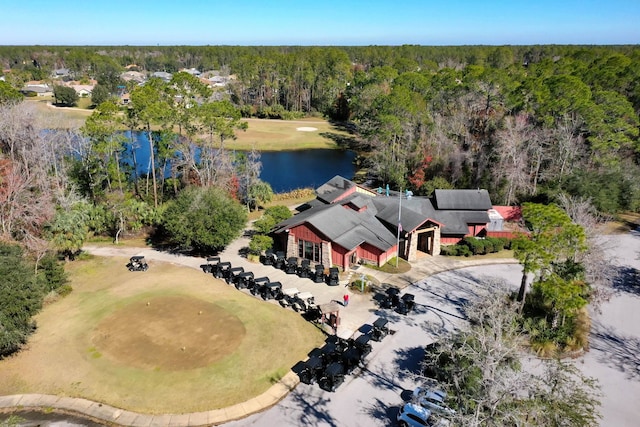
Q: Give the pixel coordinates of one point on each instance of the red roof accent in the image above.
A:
(509, 213)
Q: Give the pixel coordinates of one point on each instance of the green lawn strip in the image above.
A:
(280, 135)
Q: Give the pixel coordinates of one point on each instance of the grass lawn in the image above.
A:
(169, 340)
(280, 135)
(264, 135)
(623, 223)
(57, 117)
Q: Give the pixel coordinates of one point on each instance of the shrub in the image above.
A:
(449, 250)
(464, 250)
(259, 243)
(476, 246)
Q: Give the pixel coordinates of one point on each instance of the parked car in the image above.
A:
(433, 400)
(413, 415)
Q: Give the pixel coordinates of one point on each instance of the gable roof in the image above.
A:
(334, 189)
(375, 217)
(413, 212)
(462, 200)
(343, 226)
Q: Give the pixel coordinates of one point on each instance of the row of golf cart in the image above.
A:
(327, 366)
(392, 300)
(259, 286)
(301, 268)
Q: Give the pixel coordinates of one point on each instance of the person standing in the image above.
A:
(345, 300)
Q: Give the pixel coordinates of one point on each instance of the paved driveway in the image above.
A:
(372, 396)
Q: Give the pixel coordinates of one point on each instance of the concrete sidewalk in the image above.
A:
(360, 310)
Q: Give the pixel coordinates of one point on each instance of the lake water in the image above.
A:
(288, 170)
(284, 170)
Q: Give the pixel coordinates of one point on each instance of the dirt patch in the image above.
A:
(170, 333)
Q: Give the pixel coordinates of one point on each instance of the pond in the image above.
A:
(283, 170)
(288, 170)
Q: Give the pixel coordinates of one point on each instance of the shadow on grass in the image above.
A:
(344, 142)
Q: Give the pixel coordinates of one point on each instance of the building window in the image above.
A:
(309, 250)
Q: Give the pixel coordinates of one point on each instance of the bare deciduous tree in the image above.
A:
(492, 382)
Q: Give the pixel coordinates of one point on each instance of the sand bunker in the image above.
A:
(306, 129)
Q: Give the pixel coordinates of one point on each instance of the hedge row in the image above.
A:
(474, 246)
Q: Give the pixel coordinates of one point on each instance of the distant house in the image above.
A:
(83, 91)
(349, 224)
(135, 76)
(162, 75)
(39, 88)
(61, 72)
(218, 81)
(192, 71)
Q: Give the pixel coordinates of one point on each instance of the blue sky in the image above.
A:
(325, 22)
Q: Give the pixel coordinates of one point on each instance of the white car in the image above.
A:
(433, 400)
(413, 415)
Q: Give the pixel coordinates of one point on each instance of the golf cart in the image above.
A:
(362, 344)
(268, 258)
(318, 275)
(211, 264)
(272, 290)
(221, 270)
(304, 270)
(332, 377)
(256, 285)
(233, 274)
(392, 298)
(279, 261)
(380, 329)
(311, 371)
(244, 279)
(292, 265)
(351, 358)
(303, 302)
(137, 263)
(406, 304)
(288, 297)
(333, 279)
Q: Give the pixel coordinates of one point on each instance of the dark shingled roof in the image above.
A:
(376, 225)
(413, 213)
(462, 200)
(334, 188)
(343, 226)
(457, 222)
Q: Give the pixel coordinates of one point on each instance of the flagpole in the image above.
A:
(399, 225)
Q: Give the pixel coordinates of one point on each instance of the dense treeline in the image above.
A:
(525, 122)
